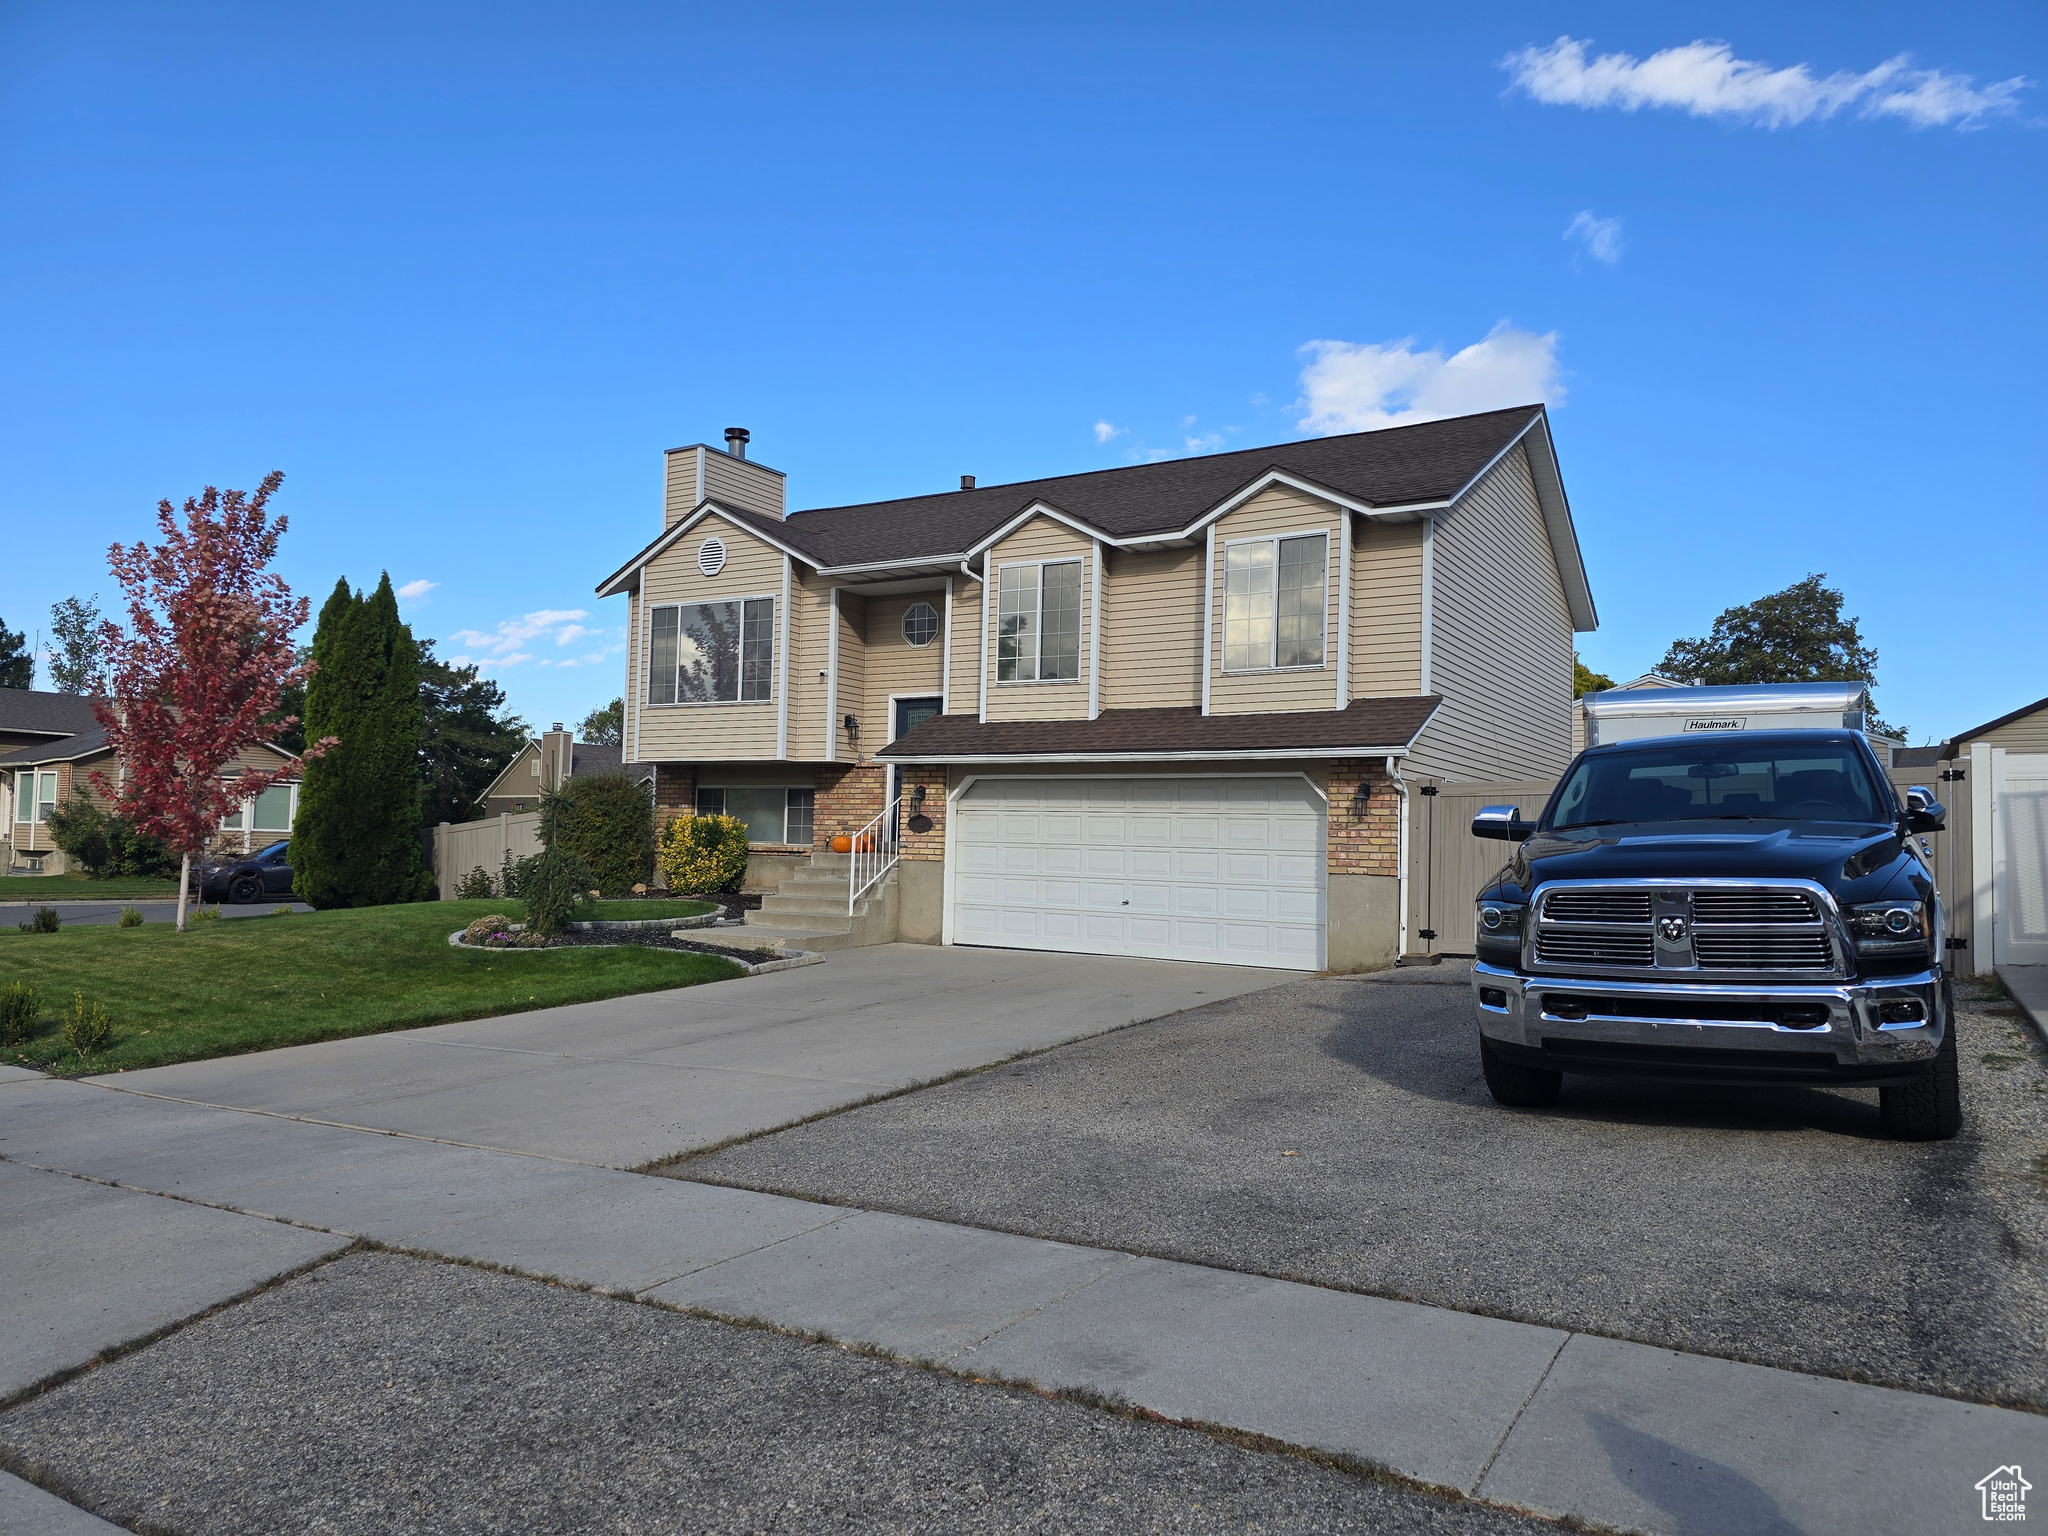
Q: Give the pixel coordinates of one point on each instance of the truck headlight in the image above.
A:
(1500, 928)
(1891, 928)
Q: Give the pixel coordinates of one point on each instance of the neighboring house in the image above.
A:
(1163, 710)
(34, 780)
(545, 761)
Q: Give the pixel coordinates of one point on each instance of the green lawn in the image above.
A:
(260, 982)
(49, 888)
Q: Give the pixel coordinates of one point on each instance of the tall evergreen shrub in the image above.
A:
(607, 821)
(356, 842)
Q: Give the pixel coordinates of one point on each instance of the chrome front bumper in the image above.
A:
(1708, 1029)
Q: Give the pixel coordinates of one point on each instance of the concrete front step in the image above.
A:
(825, 904)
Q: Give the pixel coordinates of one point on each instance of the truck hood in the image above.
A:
(1836, 855)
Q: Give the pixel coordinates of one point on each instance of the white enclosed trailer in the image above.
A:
(1633, 714)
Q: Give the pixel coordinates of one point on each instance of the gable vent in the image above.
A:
(711, 557)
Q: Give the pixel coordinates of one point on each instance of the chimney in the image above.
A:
(967, 482)
(557, 756)
(701, 473)
(736, 440)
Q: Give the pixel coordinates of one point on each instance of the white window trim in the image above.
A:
(1038, 629)
(779, 643)
(1223, 597)
(775, 640)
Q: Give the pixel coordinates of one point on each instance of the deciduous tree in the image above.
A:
(74, 650)
(1585, 680)
(17, 661)
(466, 738)
(202, 663)
(604, 727)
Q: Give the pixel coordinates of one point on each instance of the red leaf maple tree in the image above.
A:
(205, 658)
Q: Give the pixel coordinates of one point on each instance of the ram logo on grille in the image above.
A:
(1673, 928)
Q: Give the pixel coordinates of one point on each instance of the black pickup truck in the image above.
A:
(1741, 909)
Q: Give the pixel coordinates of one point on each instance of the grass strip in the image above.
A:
(223, 988)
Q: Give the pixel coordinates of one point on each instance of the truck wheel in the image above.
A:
(1517, 1086)
(1930, 1108)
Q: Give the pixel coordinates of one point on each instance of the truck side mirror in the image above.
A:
(1924, 813)
(1502, 823)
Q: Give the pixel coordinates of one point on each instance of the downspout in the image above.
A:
(1401, 856)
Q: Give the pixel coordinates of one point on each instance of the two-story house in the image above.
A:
(1166, 710)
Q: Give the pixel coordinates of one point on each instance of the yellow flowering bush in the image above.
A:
(702, 854)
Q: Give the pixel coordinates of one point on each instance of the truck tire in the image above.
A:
(1517, 1086)
(1930, 1108)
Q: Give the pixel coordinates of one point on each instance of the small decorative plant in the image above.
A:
(21, 1007)
(477, 885)
(204, 915)
(283, 909)
(704, 853)
(87, 1029)
(131, 917)
(45, 920)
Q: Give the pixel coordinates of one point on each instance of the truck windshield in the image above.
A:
(1720, 780)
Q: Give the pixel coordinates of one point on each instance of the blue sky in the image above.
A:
(463, 273)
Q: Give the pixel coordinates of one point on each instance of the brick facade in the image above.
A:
(848, 799)
(926, 846)
(1368, 844)
(675, 793)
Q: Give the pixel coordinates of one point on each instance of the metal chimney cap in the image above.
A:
(736, 440)
(967, 482)
(558, 725)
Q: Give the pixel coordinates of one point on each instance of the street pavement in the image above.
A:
(1549, 1420)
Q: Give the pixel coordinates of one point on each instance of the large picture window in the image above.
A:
(35, 795)
(711, 653)
(772, 815)
(1038, 623)
(1273, 595)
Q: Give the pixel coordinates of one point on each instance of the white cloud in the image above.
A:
(415, 591)
(1104, 431)
(1601, 237)
(502, 647)
(1707, 80)
(1208, 442)
(1359, 387)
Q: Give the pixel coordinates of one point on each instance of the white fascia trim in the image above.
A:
(1206, 755)
(613, 584)
(946, 655)
(921, 562)
(1266, 482)
(1036, 509)
(636, 675)
(1095, 638)
(785, 634)
(981, 701)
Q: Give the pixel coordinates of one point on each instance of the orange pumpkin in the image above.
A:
(842, 844)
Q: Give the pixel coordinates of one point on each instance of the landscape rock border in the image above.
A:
(789, 960)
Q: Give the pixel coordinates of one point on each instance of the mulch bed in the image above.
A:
(645, 938)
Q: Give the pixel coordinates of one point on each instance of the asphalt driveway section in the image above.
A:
(1336, 1131)
(384, 1394)
(630, 1080)
(85, 1269)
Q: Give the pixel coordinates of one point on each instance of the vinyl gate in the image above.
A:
(1447, 865)
(1949, 853)
(2018, 793)
(460, 847)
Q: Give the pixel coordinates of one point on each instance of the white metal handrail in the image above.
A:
(874, 854)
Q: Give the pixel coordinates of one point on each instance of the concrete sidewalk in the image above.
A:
(630, 1080)
(2028, 985)
(1614, 1433)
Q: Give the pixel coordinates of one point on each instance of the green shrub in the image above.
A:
(203, 915)
(46, 920)
(607, 821)
(131, 917)
(704, 854)
(551, 889)
(512, 875)
(87, 1028)
(107, 847)
(476, 885)
(283, 909)
(21, 1006)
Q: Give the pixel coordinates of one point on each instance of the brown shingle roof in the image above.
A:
(1368, 726)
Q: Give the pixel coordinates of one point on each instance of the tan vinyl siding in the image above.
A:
(963, 695)
(894, 665)
(1386, 609)
(629, 726)
(853, 673)
(1276, 511)
(2029, 733)
(742, 485)
(1152, 629)
(1501, 638)
(810, 595)
(1042, 539)
(753, 568)
(680, 493)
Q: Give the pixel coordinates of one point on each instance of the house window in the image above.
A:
(1038, 623)
(772, 815)
(1273, 596)
(270, 811)
(920, 624)
(35, 796)
(712, 653)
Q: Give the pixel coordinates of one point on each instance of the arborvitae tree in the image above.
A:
(356, 840)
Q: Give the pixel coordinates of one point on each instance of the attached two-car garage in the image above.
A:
(1219, 868)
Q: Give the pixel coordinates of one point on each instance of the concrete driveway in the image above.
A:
(634, 1080)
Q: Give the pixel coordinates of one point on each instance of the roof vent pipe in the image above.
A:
(967, 482)
(736, 440)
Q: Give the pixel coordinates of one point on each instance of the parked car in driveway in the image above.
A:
(1733, 908)
(260, 874)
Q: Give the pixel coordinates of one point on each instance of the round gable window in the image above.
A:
(920, 624)
(711, 558)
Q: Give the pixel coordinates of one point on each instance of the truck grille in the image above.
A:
(1556, 948)
(1718, 907)
(1597, 907)
(1726, 930)
(1763, 951)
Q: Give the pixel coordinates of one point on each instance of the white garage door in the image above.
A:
(1218, 869)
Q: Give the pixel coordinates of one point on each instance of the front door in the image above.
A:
(907, 716)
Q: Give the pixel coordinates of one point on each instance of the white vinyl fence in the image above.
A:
(460, 847)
